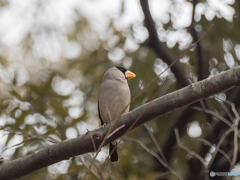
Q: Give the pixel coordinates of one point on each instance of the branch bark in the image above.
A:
(83, 144)
(167, 56)
(160, 48)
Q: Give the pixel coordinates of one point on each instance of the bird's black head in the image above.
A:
(122, 69)
(128, 74)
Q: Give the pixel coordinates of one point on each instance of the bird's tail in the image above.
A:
(114, 156)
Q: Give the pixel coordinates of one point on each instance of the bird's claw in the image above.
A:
(87, 131)
(123, 114)
(103, 126)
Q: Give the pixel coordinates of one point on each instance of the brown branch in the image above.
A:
(86, 161)
(194, 154)
(179, 121)
(156, 143)
(202, 70)
(215, 132)
(95, 150)
(206, 142)
(187, 149)
(83, 144)
(117, 129)
(164, 53)
(214, 114)
(160, 48)
(222, 164)
(155, 155)
(219, 145)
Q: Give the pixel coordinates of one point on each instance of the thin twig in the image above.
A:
(219, 145)
(145, 77)
(212, 145)
(161, 175)
(30, 137)
(87, 166)
(117, 129)
(187, 149)
(109, 114)
(232, 106)
(155, 155)
(214, 114)
(235, 149)
(93, 143)
(227, 111)
(236, 135)
(15, 145)
(26, 134)
(156, 143)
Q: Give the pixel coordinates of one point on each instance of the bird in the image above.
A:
(114, 99)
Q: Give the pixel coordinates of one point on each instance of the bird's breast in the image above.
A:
(113, 97)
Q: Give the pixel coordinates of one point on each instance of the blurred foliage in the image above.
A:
(50, 78)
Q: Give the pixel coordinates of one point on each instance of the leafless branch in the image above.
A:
(155, 155)
(93, 143)
(206, 142)
(235, 149)
(233, 108)
(219, 145)
(214, 114)
(235, 123)
(156, 143)
(187, 149)
(86, 161)
(161, 175)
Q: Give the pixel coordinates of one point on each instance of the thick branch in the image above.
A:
(164, 53)
(83, 144)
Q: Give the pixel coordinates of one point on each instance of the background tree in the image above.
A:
(53, 55)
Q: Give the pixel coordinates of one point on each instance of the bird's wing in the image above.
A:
(100, 114)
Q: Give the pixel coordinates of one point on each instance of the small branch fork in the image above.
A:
(232, 128)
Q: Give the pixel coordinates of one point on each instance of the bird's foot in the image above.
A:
(87, 131)
(123, 114)
(1, 160)
(103, 126)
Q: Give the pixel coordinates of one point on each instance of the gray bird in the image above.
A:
(113, 96)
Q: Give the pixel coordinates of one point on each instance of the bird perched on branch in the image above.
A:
(114, 99)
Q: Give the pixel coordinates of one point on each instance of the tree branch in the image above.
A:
(160, 48)
(83, 144)
(202, 70)
(213, 135)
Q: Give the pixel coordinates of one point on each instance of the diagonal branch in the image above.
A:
(83, 144)
(202, 70)
(160, 48)
(155, 155)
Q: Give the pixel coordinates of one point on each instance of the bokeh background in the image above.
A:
(53, 55)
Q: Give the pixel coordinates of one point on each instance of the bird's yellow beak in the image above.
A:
(130, 75)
